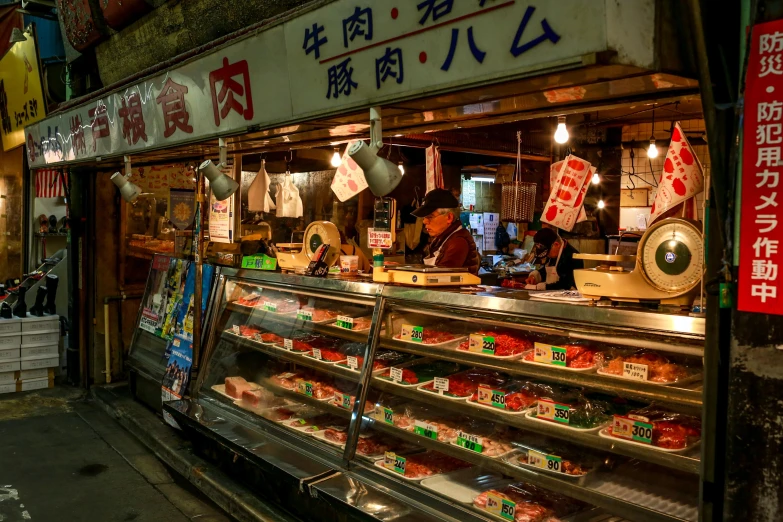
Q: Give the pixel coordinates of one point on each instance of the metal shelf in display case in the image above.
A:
(265, 326)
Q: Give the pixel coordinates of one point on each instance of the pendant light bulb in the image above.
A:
(402, 169)
(601, 203)
(336, 159)
(596, 179)
(652, 152)
(561, 133)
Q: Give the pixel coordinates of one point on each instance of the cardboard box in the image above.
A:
(40, 373)
(47, 323)
(7, 377)
(11, 365)
(34, 384)
(34, 363)
(9, 326)
(39, 350)
(12, 340)
(9, 353)
(35, 338)
(8, 388)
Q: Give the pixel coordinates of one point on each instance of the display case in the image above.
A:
(464, 404)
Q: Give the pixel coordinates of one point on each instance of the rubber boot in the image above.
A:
(20, 307)
(51, 294)
(38, 308)
(5, 311)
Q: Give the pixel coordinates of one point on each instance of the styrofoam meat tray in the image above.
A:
(492, 408)
(565, 368)
(320, 435)
(465, 484)
(504, 357)
(454, 443)
(379, 463)
(511, 459)
(690, 379)
(454, 341)
(260, 410)
(402, 383)
(344, 364)
(310, 356)
(420, 387)
(531, 414)
(606, 435)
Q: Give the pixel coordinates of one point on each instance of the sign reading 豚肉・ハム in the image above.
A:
(21, 97)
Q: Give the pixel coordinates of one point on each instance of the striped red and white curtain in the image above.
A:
(50, 183)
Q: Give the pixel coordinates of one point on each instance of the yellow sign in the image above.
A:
(21, 96)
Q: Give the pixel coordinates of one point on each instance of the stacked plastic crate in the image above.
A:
(29, 352)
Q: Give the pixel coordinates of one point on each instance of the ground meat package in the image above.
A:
(571, 408)
(578, 356)
(499, 344)
(511, 395)
(662, 429)
(464, 384)
(646, 365)
(421, 372)
(531, 504)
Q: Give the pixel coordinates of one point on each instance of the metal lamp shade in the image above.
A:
(382, 175)
(222, 186)
(128, 190)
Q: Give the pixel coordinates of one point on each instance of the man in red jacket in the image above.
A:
(451, 245)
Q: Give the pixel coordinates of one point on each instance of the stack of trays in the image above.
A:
(29, 352)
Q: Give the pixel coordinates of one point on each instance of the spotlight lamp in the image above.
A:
(128, 190)
(222, 186)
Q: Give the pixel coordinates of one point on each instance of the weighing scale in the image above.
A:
(669, 267)
(422, 275)
(316, 234)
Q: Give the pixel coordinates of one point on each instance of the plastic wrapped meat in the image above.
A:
(248, 330)
(659, 368)
(533, 504)
(331, 354)
(390, 410)
(434, 336)
(271, 338)
(315, 422)
(383, 358)
(506, 345)
(322, 388)
(251, 299)
(306, 343)
(422, 465)
(279, 414)
(287, 380)
(320, 315)
(572, 461)
(253, 398)
(235, 386)
(669, 430)
(424, 371)
(465, 384)
(517, 395)
(577, 356)
(338, 435)
(583, 413)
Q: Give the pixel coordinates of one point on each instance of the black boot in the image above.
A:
(20, 307)
(51, 294)
(38, 308)
(5, 311)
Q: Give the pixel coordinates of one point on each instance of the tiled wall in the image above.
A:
(641, 163)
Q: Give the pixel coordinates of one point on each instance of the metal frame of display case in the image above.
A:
(489, 307)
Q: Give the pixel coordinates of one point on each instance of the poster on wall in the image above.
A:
(21, 96)
(153, 308)
(176, 378)
(182, 207)
(221, 219)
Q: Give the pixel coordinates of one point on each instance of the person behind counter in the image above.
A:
(450, 245)
(559, 263)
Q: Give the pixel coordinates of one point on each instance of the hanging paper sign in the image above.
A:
(182, 207)
(349, 178)
(567, 196)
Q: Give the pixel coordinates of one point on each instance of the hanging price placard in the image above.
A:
(547, 354)
(269, 306)
(304, 315)
(425, 429)
(490, 397)
(396, 374)
(553, 411)
(441, 384)
(414, 334)
(632, 429)
(352, 362)
(482, 344)
(501, 507)
(288, 344)
(544, 461)
(637, 372)
(470, 442)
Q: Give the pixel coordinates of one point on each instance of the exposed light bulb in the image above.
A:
(652, 152)
(336, 159)
(596, 179)
(402, 169)
(561, 133)
(601, 203)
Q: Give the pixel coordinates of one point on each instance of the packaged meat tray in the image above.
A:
(466, 484)
(513, 396)
(484, 438)
(464, 384)
(234, 386)
(393, 412)
(279, 414)
(354, 353)
(648, 366)
(571, 409)
(429, 335)
(499, 345)
(259, 399)
(528, 503)
(355, 324)
(334, 435)
(250, 299)
(572, 357)
(247, 330)
(270, 339)
(317, 315)
(419, 373)
(315, 422)
(655, 428)
(420, 465)
(375, 446)
(330, 354)
(554, 457)
(287, 380)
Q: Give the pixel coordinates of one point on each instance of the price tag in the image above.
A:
(394, 462)
(544, 461)
(343, 400)
(481, 344)
(388, 416)
(343, 321)
(413, 334)
(553, 411)
(425, 429)
(353, 362)
(490, 397)
(302, 422)
(305, 388)
(396, 374)
(288, 344)
(637, 372)
(470, 442)
(269, 306)
(257, 337)
(632, 429)
(235, 329)
(304, 315)
(441, 384)
(546, 354)
(501, 507)
(317, 354)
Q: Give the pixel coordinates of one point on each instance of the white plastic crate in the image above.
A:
(9, 326)
(11, 365)
(39, 350)
(34, 363)
(13, 340)
(35, 338)
(47, 323)
(9, 353)
(7, 377)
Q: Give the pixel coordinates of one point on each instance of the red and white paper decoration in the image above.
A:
(682, 176)
(564, 206)
(50, 183)
(349, 179)
(554, 169)
(434, 170)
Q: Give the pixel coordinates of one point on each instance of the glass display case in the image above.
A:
(464, 404)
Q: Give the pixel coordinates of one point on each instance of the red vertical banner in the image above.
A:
(761, 232)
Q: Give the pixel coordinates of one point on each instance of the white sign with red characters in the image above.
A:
(554, 170)
(568, 193)
(682, 177)
(349, 179)
(760, 255)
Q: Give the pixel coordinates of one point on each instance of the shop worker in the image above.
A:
(557, 258)
(451, 245)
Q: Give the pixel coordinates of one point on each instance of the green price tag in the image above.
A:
(490, 397)
(304, 315)
(470, 442)
(342, 400)
(562, 413)
(302, 422)
(633, 429)
(270, 306)
(306, 388)
(388, 416)
(424, 429)
(343, 321)
(414, 334)
(395, 462)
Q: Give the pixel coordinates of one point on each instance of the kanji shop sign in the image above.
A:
(343, 56)
(761, 221)
(21, 98)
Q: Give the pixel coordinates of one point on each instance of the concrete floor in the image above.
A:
(63, 459)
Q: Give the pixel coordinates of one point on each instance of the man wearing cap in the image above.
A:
(451, 245)
(557, 257)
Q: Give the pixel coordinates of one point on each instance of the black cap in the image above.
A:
(546, 237)
(435, 199)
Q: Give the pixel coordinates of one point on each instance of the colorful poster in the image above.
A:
(565, 202)
(176, 378)
(22, 100)
(221, 219)
(182, 206)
